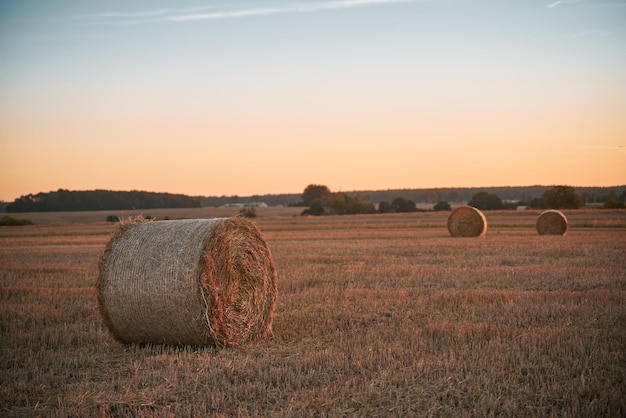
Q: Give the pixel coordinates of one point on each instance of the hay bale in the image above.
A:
(551, 222)
(196, 282)
(467, 221)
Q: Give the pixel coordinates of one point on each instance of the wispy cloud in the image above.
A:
(561, 2)
(148, 16)
(209, 13)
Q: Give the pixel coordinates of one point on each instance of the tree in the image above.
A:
(536, 203)
(316, 208)
(336, 204)
(486, 201)
(356, 205)
(314, 191)
(384, 207)
(400, 204)
(66, 200)
(614, 204)
(441, 206)
(339, 204)
(562, 197)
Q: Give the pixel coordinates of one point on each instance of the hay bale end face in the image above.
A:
(551, 222)
(188, 282)
(467, 221)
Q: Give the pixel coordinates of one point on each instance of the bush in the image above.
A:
(248, 212)
(441, 206)
(486, 201)
(339, 204)
(384, 207)
(357, 205)
(400, 204)
(316, 208)
(614, 204)
(537, 203)
(10, 221)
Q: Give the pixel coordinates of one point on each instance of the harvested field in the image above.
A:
(377, 315)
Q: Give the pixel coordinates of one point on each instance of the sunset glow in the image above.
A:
(221, 98)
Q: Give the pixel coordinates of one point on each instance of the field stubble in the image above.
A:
(383, 315)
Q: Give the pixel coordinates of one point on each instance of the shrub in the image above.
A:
(486, 201)
(400, 204)
(441, 206)
(614, 204)
(355, 205)
(316, 208)
(10, 221)
(339, 204)
(384, 207)
(248, 212)
(536, 203)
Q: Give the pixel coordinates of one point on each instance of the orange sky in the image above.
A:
(353, 95)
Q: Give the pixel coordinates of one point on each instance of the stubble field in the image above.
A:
(377, 315)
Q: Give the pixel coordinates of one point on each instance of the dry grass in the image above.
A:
(382, 315)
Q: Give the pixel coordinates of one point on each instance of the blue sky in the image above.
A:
(243, 97)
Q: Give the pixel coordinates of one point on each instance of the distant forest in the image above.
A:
(68, 201)
(65, 200)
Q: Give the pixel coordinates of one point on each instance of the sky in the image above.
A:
(239, 97)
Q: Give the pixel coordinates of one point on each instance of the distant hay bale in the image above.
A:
(467, 221)
(551, 222)
(188, 282)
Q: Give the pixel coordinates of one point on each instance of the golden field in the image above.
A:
(378, 315)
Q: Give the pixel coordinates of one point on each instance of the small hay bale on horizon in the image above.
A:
(188, 282)
(551, 222)
(467, 221)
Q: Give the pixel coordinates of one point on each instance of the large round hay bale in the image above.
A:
(467, 221)
(196, 282)
(551, 222)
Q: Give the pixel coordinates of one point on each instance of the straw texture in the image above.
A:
(188, 282)
(467, 221)
(551, 222)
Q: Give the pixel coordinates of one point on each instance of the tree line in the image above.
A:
(319, 200)
(66, 201)
(396, 200)
(595, 195)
